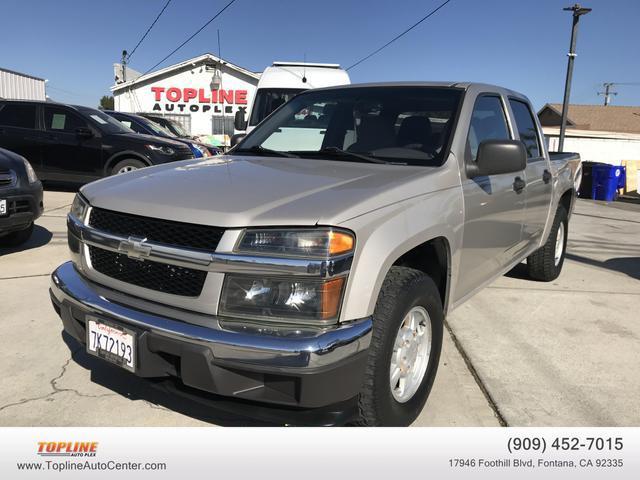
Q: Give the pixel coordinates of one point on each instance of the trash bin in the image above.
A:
(606, 180)
(586, 185)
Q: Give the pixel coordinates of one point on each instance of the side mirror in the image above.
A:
(239, 121)
(498, 156)
(84, 132)
(235, 139)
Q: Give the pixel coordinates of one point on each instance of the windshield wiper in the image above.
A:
(260, 150)
(335, 151)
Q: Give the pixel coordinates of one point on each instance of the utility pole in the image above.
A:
(577, 12)
(607, 92)
(124, 66)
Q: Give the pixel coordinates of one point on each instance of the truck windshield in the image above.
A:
(269, 99)
(392, 124)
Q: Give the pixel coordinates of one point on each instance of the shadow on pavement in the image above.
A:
(171, 394)
(519, 272)
(155, 391)
(627, 265)
(61, 187)
(40, 237)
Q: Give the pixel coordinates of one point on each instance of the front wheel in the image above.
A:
(127, 165)
(404, 351)
(545, 264)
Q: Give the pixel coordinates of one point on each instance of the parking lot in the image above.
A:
(520, 353)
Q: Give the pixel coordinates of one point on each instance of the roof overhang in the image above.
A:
(178, 66)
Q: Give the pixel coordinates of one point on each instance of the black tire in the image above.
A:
(15, 239)
(541, 264)
(403, 289)
(130, 163)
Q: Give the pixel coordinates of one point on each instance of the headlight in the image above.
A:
(31, 174)
(79, 207)
(287, 298)
(281, 298)
(306, 243)
(161, 149)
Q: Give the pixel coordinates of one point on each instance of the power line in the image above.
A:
(400, 35)
(191, 37)
(607, 90)
(148, 30)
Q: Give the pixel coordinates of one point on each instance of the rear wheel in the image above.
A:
(15, 239)
(545, 264)
(127, 165)
(404, 351)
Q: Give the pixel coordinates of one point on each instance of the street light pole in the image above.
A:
(577, 12)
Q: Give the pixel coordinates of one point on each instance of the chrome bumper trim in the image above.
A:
(310, 350)
(213, 262)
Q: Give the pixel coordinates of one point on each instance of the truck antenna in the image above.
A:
(304, 69)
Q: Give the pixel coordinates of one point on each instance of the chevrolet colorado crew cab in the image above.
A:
(315, 263)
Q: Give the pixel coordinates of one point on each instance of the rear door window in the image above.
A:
(488, 122)
(18, 115)
(61, 120)
(526, 127)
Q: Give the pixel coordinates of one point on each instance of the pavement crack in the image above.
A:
(476, 377)
(155, 406)
(56, 389)
(26, 276)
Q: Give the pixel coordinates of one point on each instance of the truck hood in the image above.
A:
(239, 191)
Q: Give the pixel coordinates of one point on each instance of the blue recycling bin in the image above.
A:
(606, 181)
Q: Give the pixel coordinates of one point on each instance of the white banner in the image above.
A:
(315, 453)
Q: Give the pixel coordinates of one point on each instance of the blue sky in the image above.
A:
(518, 44)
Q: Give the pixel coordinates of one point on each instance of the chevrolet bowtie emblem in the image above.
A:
(134, 247)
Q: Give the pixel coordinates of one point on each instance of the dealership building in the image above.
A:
(21, 86)
(203, 94)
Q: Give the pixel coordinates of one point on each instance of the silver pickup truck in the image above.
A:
(314, 265)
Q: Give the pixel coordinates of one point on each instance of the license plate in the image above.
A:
(3, 207)
(111, 342)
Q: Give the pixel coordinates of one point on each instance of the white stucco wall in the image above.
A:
(605, 147)
(166, 95)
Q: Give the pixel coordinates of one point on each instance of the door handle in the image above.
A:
(546, 176)
(518, 185)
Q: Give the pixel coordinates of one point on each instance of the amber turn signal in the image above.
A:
(331, 296)
(340, 242)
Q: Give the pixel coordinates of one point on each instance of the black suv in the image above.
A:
(79, 144)
(20, 199)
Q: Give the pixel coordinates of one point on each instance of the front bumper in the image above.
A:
(24, 207)
(282, 367)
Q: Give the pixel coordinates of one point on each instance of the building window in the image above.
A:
(222, 125)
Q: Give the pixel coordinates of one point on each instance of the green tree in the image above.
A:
(106, 102)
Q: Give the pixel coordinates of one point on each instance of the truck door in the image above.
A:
(537, 174)
(493, 205)
(72, 151)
